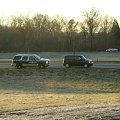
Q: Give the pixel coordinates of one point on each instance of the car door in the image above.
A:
(25, 60)
(78, 61)
(32, 61)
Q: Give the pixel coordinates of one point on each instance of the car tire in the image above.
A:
(85, 65)
(19, 66)
(41, 66)
(67, 65)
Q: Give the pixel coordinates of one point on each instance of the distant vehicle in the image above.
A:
(22, 60)
(111, 50)
(76, 60)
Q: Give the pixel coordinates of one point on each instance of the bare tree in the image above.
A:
(71, 30)
(105, 28)
(91, 23)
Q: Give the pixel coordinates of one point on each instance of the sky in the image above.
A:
(67, 8)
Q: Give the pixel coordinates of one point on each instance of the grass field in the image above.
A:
(53, 88)
(34, 88)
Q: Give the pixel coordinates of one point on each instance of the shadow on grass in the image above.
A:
(61, 80)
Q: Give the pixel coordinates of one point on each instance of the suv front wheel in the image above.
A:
(41, 65)
(85, 65)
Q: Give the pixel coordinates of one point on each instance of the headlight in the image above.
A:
(47, 62)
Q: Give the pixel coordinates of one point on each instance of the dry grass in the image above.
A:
(34, 88)
(20, 101)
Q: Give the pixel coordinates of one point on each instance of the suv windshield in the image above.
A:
(83, 57)
(37, 57)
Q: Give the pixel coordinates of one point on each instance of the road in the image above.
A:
(55, 65)
(116, 66)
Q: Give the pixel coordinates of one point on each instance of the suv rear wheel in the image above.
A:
(19, 66)
(67, 65)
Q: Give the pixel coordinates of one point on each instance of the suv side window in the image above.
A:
(31, 58)
(69, 57)
(77, 58)
(17, 58)
(25, 58)
(72, 58)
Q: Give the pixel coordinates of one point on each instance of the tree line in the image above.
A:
(95, 32)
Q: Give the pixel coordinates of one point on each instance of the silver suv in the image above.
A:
(22, 60)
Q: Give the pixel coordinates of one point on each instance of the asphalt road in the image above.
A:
(55, 65)
(116, 66)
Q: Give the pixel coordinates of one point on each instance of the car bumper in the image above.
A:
(90, 64)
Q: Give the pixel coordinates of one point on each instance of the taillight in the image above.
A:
(63, 60)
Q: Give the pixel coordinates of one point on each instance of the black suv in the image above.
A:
(76, 60)
(21, 60)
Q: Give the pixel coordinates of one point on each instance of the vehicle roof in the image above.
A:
(25, 54)
(73, 55)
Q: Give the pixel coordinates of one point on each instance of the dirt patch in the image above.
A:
(86, 112)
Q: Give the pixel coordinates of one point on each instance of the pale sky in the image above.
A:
(66, 8)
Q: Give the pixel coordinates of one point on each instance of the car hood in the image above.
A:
(89, 60)
(45, 59)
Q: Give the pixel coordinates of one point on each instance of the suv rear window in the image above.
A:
(17, 58)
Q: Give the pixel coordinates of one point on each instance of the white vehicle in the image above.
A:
(111, 50)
